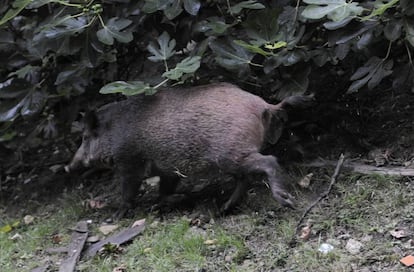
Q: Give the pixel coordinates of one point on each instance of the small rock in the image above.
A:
(366, 238)
(154, 224)
(305, 181)
(15, 237)
(305, 233)
(152, 181)
(195, 231)
(138, 223)
(248, 265)
(325, 248)
(407, 163)
(398, 233)
(121, 268)
(106, 229)
(334, 242)
(93, 239)
(210, 242)
(28, 219)
(353, 246)
(228, 258)
(56, 168)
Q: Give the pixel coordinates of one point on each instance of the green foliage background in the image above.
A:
(53, 52)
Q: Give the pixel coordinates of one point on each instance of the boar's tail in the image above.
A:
(276, 118)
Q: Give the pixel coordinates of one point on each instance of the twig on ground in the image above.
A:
(116, 239)
(324, 194)
(365, 169)
(78, 239)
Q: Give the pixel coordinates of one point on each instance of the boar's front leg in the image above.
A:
(131, 172)
(268, 165)
(239, 191)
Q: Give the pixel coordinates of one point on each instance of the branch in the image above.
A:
(323, 195)
(365, 169)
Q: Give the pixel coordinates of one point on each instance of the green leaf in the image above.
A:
(173, 9)
(7, 137)
(192, 6)
(34, 4)
(380, 8)
(353, 31)
(373, 71)
(113, 30)
(232, 56)
(27, 71)
(295, 83)
(66, 26)
(152, 6)
(409, 30)
(127, 88)
(6, 228)
(276, 45)
(164, 50)
(392, 30)
(407, 7)
(16, 8)
(186, 66)
(335, 10)
(212, 26)
(262, 27)
(32, 103)
(250, 4)
(337, 24)
(252, 48)
(66, 75)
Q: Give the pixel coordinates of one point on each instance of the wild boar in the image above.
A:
(188, 132)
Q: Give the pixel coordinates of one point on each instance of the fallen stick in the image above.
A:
(116, 239)
(77, 241)
(324, 194)
(364, 169)
(40, 268)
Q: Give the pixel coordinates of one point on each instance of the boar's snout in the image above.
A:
(72, 165)
(79, 159)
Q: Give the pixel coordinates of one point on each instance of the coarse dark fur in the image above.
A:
(188, 133)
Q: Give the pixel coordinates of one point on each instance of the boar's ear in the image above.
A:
(90, 121)
(276, 121)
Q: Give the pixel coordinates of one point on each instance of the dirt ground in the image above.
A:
(365, 224)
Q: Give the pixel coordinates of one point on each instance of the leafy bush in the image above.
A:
(53, 50)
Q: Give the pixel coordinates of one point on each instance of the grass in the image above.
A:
(363, 208)
(27, 250)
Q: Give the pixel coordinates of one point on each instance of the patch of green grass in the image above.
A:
(25, 251)
(165, 248)
(175, 246)
(363, 208)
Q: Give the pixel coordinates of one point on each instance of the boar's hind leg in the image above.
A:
(131, 173)
(268, 165)
(168, 184)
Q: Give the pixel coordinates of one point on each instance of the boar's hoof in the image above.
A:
(173, 199)
(122, 212)
(285, 199)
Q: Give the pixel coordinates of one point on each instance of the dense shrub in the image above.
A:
(54, 50)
